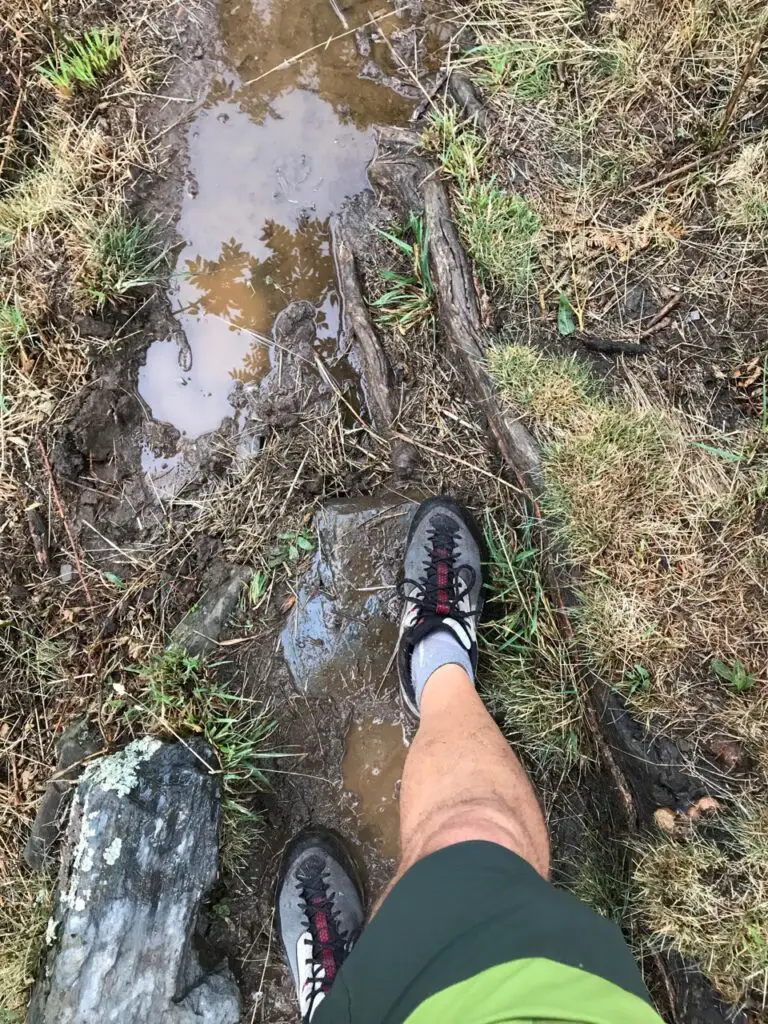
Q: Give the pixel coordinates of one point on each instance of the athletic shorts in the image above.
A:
(473, 935)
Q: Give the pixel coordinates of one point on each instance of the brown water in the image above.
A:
(272, 155)
(374, 757)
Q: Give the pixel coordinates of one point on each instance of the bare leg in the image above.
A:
(462, 781)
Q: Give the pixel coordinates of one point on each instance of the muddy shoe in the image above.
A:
(320, 914)
(442, 590)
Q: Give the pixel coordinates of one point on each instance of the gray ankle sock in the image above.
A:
(435, 650)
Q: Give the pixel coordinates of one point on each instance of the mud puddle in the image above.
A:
(272, 154)
(374, 756)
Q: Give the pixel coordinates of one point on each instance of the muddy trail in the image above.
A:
(249, 342)
(238, 475)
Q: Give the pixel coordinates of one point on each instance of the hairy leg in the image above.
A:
(462, 780)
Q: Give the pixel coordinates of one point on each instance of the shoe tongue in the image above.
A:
(439, 624)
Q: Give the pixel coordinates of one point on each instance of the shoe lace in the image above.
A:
(443, 584)
(317, 900)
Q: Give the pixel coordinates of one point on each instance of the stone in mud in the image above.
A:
(343, 627)
(76, 743)
(142, 852)
(200, 629)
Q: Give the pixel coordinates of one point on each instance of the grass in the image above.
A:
(499, 227)
(530, 679)
(83, 61)
(408, 301)
(177, 695)
(524, 69)
(707, 896)
(663, 530)
(661, 521)
(125, 255)
(615, 140)
(67, 247)
(25, 905)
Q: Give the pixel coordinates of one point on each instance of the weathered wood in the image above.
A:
(141, 853)
(378, 377)
(382, 393)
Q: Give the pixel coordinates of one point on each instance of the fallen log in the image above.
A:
(141, 853)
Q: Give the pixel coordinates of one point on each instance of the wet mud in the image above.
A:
(374, 757)
(272, 155)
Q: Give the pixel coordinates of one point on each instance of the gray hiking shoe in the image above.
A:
(320, 913)
(443, 586)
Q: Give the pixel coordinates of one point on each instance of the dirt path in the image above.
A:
(231, 463)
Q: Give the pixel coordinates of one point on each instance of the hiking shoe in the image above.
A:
(443, 584)
(320, 913)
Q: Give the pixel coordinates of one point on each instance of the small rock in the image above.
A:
(78, 742)
(200, 629)
(344, 619)
(66, 573)
(704, 807)
(672, 823)
(635, 300)
(363, 42)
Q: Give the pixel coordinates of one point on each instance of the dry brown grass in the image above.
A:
(64, 175)
(636, 137)
(66, 162)
(664, 520)
(631, 135)
(707, 896)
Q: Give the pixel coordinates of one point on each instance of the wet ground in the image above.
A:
(273, 153)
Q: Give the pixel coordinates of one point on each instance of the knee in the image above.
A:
(478, 820)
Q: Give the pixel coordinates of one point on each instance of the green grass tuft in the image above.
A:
(177, 696)
(553, 391)
(13, 329)
(408, 301)
(530, 681)
(124, 255)
(83, 61)
(462, 152)
(524, 68)
(500, 230)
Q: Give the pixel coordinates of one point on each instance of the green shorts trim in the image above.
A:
(475, 925)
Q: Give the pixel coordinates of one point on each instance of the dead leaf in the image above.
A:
(288, 603)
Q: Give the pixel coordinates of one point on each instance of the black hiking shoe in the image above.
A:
(443, 584)
(319, 913)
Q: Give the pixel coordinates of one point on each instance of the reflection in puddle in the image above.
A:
(270, 160)
(374, 757)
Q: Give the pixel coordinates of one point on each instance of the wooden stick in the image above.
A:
(665, 310)
(339, 13)
(65, 521)
(735, 96)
